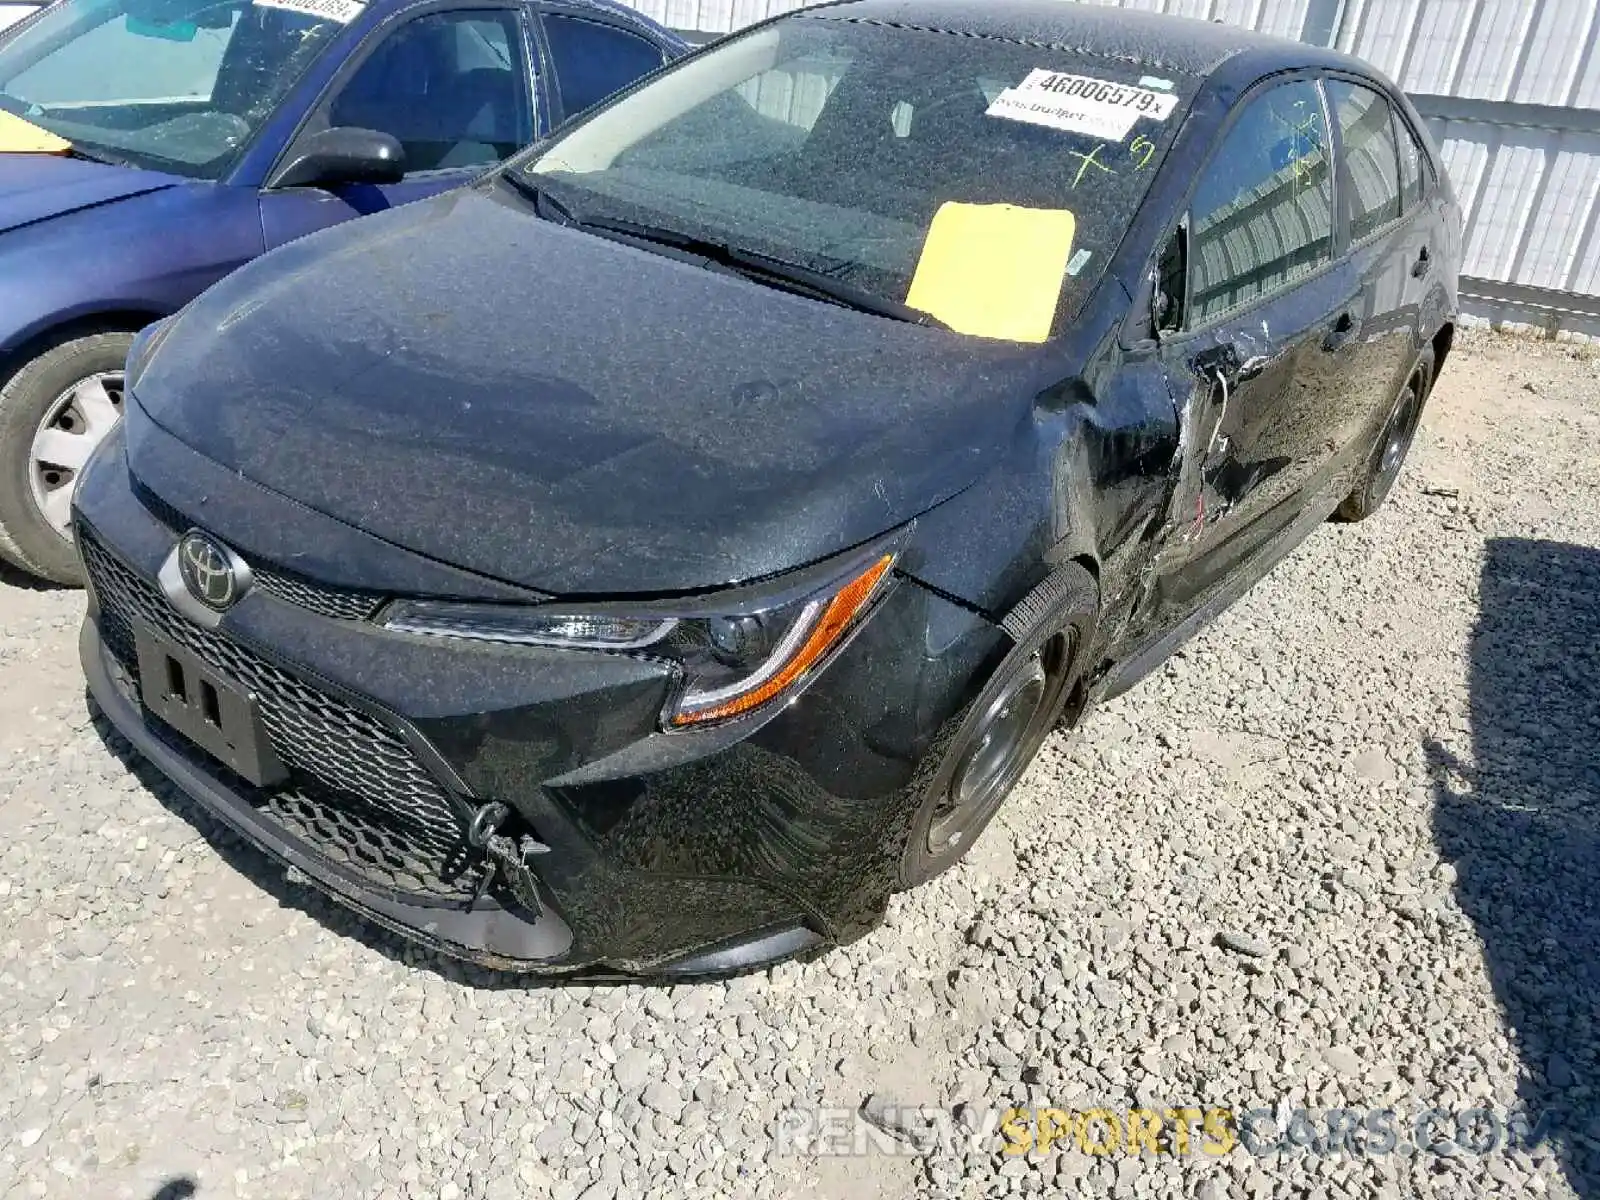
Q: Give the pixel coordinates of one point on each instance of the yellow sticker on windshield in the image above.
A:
(994, 270)
(24, 137)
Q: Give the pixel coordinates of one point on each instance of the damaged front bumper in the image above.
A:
(518, 806)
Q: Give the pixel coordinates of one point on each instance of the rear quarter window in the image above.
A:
(1413, 164)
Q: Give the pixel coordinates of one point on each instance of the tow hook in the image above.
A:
(505, 855)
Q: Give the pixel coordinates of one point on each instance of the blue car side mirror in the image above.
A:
(341, 155)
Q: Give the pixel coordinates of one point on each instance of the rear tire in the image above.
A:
(1394, 444)
(53, 411)
(984, 751)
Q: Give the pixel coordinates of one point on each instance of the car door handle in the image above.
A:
(1424, 264)
(1218, 364)
(1343, 331)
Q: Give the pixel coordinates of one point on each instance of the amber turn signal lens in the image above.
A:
(836, 619)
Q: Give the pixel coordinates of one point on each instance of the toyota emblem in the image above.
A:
(209, 570)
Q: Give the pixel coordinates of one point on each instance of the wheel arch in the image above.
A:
(1443, 342)
(52, 333)
(1045, 596)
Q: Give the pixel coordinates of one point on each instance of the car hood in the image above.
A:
(36, 187)
(567, 413)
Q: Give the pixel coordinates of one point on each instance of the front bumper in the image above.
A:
(490, 934)
(668, 855)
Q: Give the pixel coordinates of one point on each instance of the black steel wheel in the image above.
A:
(987, 748)
(1394, 445)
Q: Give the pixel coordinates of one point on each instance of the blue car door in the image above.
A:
(452, 86)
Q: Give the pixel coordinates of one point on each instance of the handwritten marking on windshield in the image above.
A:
(1091, 159)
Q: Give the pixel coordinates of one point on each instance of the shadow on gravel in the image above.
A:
(12, 577)
(182, 1188)
(268, 875)
(1521, 824)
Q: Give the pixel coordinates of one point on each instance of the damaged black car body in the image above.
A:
(650, 558)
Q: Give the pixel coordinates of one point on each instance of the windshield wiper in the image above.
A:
(764, 268)
(544, 203)
(94, 156)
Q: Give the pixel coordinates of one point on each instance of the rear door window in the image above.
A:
(1262, 213)
(1372, 160)
(593, 60)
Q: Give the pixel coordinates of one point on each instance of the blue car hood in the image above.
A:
(547, 407)
(36, 187)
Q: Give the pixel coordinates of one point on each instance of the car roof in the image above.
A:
(1179, 44)
(614, 8)
(601, 8)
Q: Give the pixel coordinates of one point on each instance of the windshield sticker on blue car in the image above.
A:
(18, 136)
(1096, 108)
(342, 11)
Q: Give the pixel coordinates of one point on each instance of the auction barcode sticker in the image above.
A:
(1081, 104)
(342, 11)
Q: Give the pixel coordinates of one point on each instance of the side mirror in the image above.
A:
(1168, 283)
(1160, 309)
(343, 154)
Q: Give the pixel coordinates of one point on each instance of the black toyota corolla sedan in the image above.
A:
(649, 558)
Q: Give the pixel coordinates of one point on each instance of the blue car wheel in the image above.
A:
(54, 411)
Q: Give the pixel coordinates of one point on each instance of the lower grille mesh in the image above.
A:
(357, 792)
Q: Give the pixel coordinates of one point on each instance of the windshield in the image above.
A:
(176, 85)
(982, 181)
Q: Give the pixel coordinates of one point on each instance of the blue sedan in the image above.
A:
(149, 147)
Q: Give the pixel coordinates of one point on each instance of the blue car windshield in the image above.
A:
(173, 85)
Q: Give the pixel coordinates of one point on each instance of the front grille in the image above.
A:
(345, 604)
(357, 792)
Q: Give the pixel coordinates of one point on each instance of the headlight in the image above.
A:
(523, 626)
(734, 662)
(743, 663)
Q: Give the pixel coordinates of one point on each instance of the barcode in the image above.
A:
(342, 11)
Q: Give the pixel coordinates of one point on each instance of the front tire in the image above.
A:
(1394, 444)
(976, 763)
(54, 411)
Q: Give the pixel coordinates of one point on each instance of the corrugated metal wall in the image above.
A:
(1511, 91)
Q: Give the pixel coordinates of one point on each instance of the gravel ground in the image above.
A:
(1339, 854)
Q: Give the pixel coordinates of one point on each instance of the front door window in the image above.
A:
(450, 88)
(1262, 214)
